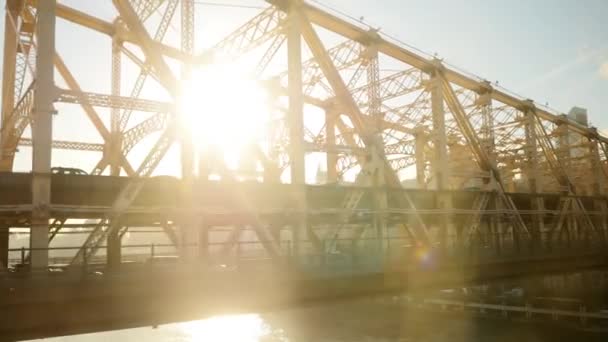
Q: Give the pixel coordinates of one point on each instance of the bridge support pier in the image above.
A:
(330, 141)
(441, 164)
(4, 245)
(189, 238)
(114, 251)
(497, 227)
(420, 145)
(42, 134)
(598, 189)
(295, 120)
(534, 179)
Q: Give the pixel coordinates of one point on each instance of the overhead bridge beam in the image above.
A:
(112, 101)
(67, 145)
(362, 35)
(94, 23)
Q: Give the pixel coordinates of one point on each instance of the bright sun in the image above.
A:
(223, 109)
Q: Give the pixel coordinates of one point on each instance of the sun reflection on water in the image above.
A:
(245, 328)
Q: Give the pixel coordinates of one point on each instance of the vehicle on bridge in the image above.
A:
(68, 171)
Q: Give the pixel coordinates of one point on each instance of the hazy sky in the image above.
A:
(553, 51)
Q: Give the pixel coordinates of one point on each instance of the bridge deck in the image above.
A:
(92, 196)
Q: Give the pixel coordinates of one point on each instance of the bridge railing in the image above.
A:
(344, 256)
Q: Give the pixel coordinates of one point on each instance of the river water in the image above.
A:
(367, 320)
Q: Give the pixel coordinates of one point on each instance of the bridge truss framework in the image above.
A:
(425, 116)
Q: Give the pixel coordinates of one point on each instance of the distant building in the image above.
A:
(579, 115)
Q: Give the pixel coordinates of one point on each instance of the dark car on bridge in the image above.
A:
(67, 171)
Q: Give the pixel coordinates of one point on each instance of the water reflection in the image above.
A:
(246, 328)
(226, 328)
(374, 319)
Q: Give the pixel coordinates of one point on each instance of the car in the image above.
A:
(67, 171)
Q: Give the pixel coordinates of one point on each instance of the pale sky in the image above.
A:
(553, 51)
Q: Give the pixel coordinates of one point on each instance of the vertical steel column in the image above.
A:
(10, 59)
(330, 144)
(496, 225)
(484, 101)
(533, 174)
(598, 186)
(187, 45)
(115, 149)
(4, 244)
(114, 239)
(420, 145)
(441, 167)
(295, 122)
(296, 104)
(378, 181)
(564, 152)
(8, 98)
(564, 155)
(42, 133)
(8, 75)
(188, 226)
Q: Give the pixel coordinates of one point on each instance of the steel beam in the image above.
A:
(330, 142)
(598, 189)
(112, 101)
(440, 165)
(420, 156)
(135, 134)
(111, 222)
(9, 60)
(42, 134)
(189, 227)
(89, 111)
(149, 48)
(356, 117)
(4, 246)
(534, 177)
(374, 103)
(145, 69)
(115, 134)
(67, 145)
(482, 158)
(295, 121)
(264, 26)
(13, 128)
(91, 22)
(363, 35)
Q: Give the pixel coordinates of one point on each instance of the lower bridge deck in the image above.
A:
(95, 299)
(86, 196)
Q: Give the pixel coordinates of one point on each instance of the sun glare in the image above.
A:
(223, 109)
(226, 328)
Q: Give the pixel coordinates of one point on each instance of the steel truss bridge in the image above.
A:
(500, 180)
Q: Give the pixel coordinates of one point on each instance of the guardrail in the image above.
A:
(338, 256)
(528, 311)
(239, 249)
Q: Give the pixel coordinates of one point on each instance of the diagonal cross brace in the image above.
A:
(127, 195)
(482, 157)
(352, 110)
